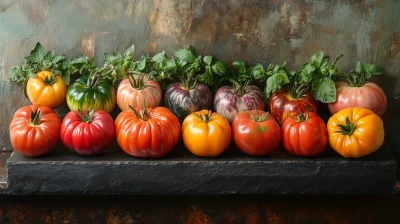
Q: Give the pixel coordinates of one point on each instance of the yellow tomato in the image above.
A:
(46, 89)
(355, 132)
(206, 133)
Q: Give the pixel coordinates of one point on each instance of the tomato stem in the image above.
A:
(348, 128)
(143, 115)
(300, 117)
(88, 118)
(35, 117)
(258, 117)
(138, 83)
(239, 89)
(49, 80)
(206, 117)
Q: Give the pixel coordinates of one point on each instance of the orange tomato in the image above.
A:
(355, 132)
(206, 133)
(46, 89)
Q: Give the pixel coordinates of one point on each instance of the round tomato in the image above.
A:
(151, 133)
(305, 135)
(206, 133)
(184, 101)
(355, 132)
(35, 130)
(282, 105)
(369, 96)
(87, 94)
(256, 133)
(229, 101)
(133, 90)
(87, 133)
(47, 89)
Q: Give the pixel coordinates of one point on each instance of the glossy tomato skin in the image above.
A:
(152, 138)
(367, 137)
(127, 95)
(256, 138)
(307, 138)
(282, 105)
(101, 97)
(39, 93)
(369, 96)
(87, 138)
(35, 140)
(206, 139)
(183, 102)
(228, 104)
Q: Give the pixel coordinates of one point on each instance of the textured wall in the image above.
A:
(250, 30)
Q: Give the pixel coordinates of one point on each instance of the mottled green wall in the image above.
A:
(250, 30)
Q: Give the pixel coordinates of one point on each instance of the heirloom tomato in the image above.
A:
(137, 87)
(229, 101)
(282, 104)
(150, 133)
(87, 133)
(206, 133)
(256, 133)
(368, 96)
(47, 89)
(35, 130)
(183, 101)
(354, 90)
(305, 135)
(91, 92)
(355, 132)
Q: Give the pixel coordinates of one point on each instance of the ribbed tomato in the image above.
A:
(35, 130)
(151, 133)
(88, 94)
(282, 105)
(47, 89)
(305, 135)
(229, 101)
(256, 132)
(369, 96)
(184, 101)
(87, 133)
(133, 90)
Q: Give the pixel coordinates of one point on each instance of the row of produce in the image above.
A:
(151, 123)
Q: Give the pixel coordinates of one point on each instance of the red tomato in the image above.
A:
(282, 105)
(35, 130)
(87, 133)
(151, 133)
(256, 133)
(369, 96)
(305, 135)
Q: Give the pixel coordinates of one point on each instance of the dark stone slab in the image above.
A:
(180, 172)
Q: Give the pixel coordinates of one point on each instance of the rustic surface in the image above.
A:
(253, 31)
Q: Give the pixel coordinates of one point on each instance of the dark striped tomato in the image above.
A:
(228, 103)
(183, 102)
(282, 105)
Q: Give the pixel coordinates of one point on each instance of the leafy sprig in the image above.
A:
(361, 74)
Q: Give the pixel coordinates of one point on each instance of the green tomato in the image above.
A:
(98, 97)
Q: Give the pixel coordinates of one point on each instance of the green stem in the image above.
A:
(206, 117)
(239, 89)
(348, 128)
(258, 117)
(137, 83)
(143, 115)
(49, 80)
(339, 56)
(35, 117)
(88, 118)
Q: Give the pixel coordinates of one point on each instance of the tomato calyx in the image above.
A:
(143, 115)
(258, 117)
(206, 117)
(348, 128)
(137, 83)
(49, 80)
(239, 89)
(35, 117)
(93, 79)
(87, 118)
(301, 117)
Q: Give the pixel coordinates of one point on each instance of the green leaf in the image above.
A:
(219, 68)
(111, 57)
(208, 60)
(240, 66)
(257, 71)
(37, 54)
(129, 52)
(275, 82)
(58, 58)
(49, 56)
(141, 63)
(31, 74)
(306, 74)
(79, 60)
(66, 77)
(159, 57)
(316, 59)
(16, 73)
(185, 55)
(371, 69)
(324, 90)
(359, 67)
